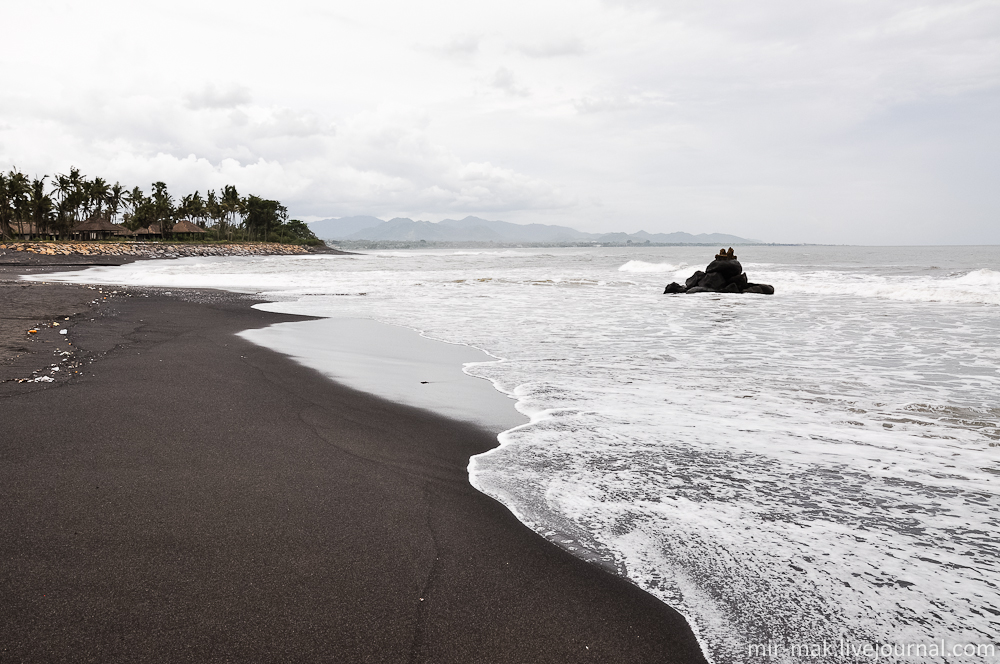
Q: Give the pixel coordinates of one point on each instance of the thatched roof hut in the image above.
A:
(96, 228)
(29, 229)
(186, 226)
(146, 233)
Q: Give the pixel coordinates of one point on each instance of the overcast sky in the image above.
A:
(842, 121)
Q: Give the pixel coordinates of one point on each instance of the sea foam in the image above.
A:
(643, 266)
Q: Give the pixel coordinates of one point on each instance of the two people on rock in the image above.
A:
(723, 275)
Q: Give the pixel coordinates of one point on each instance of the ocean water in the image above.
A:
(816, 467)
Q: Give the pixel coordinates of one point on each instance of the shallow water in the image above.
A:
(395, 363)
(818, 465)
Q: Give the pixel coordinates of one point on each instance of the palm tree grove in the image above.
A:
(58, 207)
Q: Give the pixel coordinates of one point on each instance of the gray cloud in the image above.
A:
(553, 49)
(610, 102)
(503, 79)
(286, 122)
(789, 121)
(458, 47)
(212, 96)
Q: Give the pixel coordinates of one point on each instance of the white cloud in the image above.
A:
(381, 161)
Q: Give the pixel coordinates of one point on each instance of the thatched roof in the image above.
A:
(25, 227)
(185, 226)
(121, 230)
(154, 229)
(95, 223)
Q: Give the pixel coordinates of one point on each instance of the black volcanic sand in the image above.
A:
(192, 497)
(26, 305)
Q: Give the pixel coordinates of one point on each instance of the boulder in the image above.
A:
(762, 289)
(723, 275)
(727, 268)
(713, 281)
(693, 280)
(674, 287)
(740, 280)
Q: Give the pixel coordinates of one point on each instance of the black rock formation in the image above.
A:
(723, 275)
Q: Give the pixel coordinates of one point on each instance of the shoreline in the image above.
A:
(155, 249)
(398, 364)
(193, 494)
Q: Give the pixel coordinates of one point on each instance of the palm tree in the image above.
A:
(214, 211)
(24, 203)
(135, 201)
(163, 206)
(64, 217)
(41, 205)
(262, 216)
(18, 193)
(6, 213)
(61, 187)
(192, 206)
(71, 196)
(231, 203)
(97, 193)
(198, 209)
(115, 198)
(184, 205)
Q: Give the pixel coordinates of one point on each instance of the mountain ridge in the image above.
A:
(475, 229)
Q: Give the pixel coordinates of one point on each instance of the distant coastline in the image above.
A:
(475, 229)
(362, 245)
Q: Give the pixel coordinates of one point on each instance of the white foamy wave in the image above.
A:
(501, 253)
(977, 287)
(643, 266)
(505, 252)
(982, 277)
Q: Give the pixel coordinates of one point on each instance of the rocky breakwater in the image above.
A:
(723, 275)
(154, 249)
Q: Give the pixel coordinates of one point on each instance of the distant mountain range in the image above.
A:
(474, 229)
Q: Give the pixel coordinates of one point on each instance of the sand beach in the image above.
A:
(181, 494)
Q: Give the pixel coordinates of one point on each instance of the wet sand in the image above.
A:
(191, 496)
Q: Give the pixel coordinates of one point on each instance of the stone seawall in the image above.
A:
(154, 249)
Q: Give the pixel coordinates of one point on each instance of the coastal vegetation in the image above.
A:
(53, 207)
